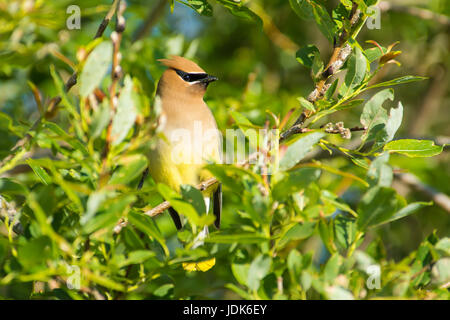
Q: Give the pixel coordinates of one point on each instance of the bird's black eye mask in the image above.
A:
(191, 77)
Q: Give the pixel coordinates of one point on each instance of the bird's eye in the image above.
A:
(184, 75)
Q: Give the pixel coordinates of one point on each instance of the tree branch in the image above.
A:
(340, 54)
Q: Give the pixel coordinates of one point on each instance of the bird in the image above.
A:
(190, 136)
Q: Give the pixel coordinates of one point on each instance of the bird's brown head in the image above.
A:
(184, 77)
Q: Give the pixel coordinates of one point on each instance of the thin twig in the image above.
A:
(116, 73)
(102, 27)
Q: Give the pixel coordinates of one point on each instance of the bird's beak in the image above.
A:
(209, 79)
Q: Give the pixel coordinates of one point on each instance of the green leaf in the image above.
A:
(93, 204)
(297, 150)
(100, 119)
(60, 87)
(220, 237)
(62, 135)
(302, 8)
(242, 293)
(306, 54)
(35, 252)
(131, 168)
(414, 148)
(332, 89)
(306, 104)
(380, 173)
(126, 113)
(374, 54)
(345, 231)
(195, 197)
(95, 68)
(374, 116)
(396, 81)
(131, 238)
(444, 246)
(393, 123)
(376, 206)
(244, 124)
(232, 176)
(356, 72)
(166, 290)
(240, 272)
(104, 281)
(178, 204)
(40, 172)
(239, 10)
(386, 133)
(317, 68)
(331, 269)
(327, 235)
(10, 187)
(323, 20)
(201, 6)
(136, 257)
(294, 262)
(294, 181)
(107, 219)
(7, 124)
(306, 280)
(226, 176)
(297, 232)
(241, 120)
(406, 211)
(441, 271)
(328, 197)
(259, 268)
(148, 226)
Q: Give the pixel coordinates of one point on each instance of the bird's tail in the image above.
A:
(199, 241)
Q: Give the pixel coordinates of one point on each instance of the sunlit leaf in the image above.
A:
(299, 148)
(414, 148)
(95, 68)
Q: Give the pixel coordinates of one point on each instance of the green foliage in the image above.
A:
(69, 205)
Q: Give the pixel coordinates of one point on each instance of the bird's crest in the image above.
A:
(183, 64)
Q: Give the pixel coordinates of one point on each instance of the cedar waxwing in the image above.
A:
(189, 134)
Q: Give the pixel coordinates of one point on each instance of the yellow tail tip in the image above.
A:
(199, 266)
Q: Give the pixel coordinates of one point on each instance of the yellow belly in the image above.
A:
(177, 164)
